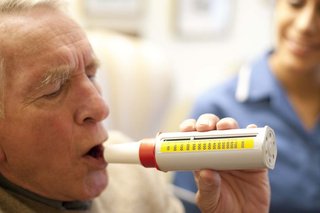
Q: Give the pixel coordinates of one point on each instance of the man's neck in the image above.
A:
(70, 205)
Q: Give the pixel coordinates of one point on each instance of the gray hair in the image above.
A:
(13, 7)
(8, 6)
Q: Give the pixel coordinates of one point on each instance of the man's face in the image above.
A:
(51, 136)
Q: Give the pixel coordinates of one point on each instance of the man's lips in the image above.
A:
(95, 158)
(96, 151)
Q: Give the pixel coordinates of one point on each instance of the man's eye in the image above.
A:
(92, 78)
(55, 92)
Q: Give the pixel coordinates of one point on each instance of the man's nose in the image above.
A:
(92, 108)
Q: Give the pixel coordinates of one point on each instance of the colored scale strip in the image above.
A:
(202, 145)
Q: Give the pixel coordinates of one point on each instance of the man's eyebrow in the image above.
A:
(95, 64)
(54, 75)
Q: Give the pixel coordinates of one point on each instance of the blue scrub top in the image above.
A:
(256, 96)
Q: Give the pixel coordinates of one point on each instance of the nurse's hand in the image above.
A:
(228, 191)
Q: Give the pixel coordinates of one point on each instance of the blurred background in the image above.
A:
(157, 56)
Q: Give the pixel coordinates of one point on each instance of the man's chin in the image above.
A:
(96, 184)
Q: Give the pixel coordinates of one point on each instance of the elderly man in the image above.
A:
(51, 132)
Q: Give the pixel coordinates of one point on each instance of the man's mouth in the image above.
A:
(96, 152)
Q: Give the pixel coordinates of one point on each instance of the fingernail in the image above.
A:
(207, 182)
(204, 122)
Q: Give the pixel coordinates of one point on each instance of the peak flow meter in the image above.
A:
(234, 149)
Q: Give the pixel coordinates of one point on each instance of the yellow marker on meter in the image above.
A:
(207, 145)
(220, 149)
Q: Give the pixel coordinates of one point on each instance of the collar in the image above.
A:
(70, 205)
(256, 81)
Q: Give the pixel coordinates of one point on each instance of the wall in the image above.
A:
(199, 64)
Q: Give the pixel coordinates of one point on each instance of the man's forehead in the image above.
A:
(24, 33)
(29, 41)
(24, 37)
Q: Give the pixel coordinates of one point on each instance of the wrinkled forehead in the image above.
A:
(40, 38)
(27, 32)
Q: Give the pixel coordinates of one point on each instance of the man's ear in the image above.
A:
(3, 156)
